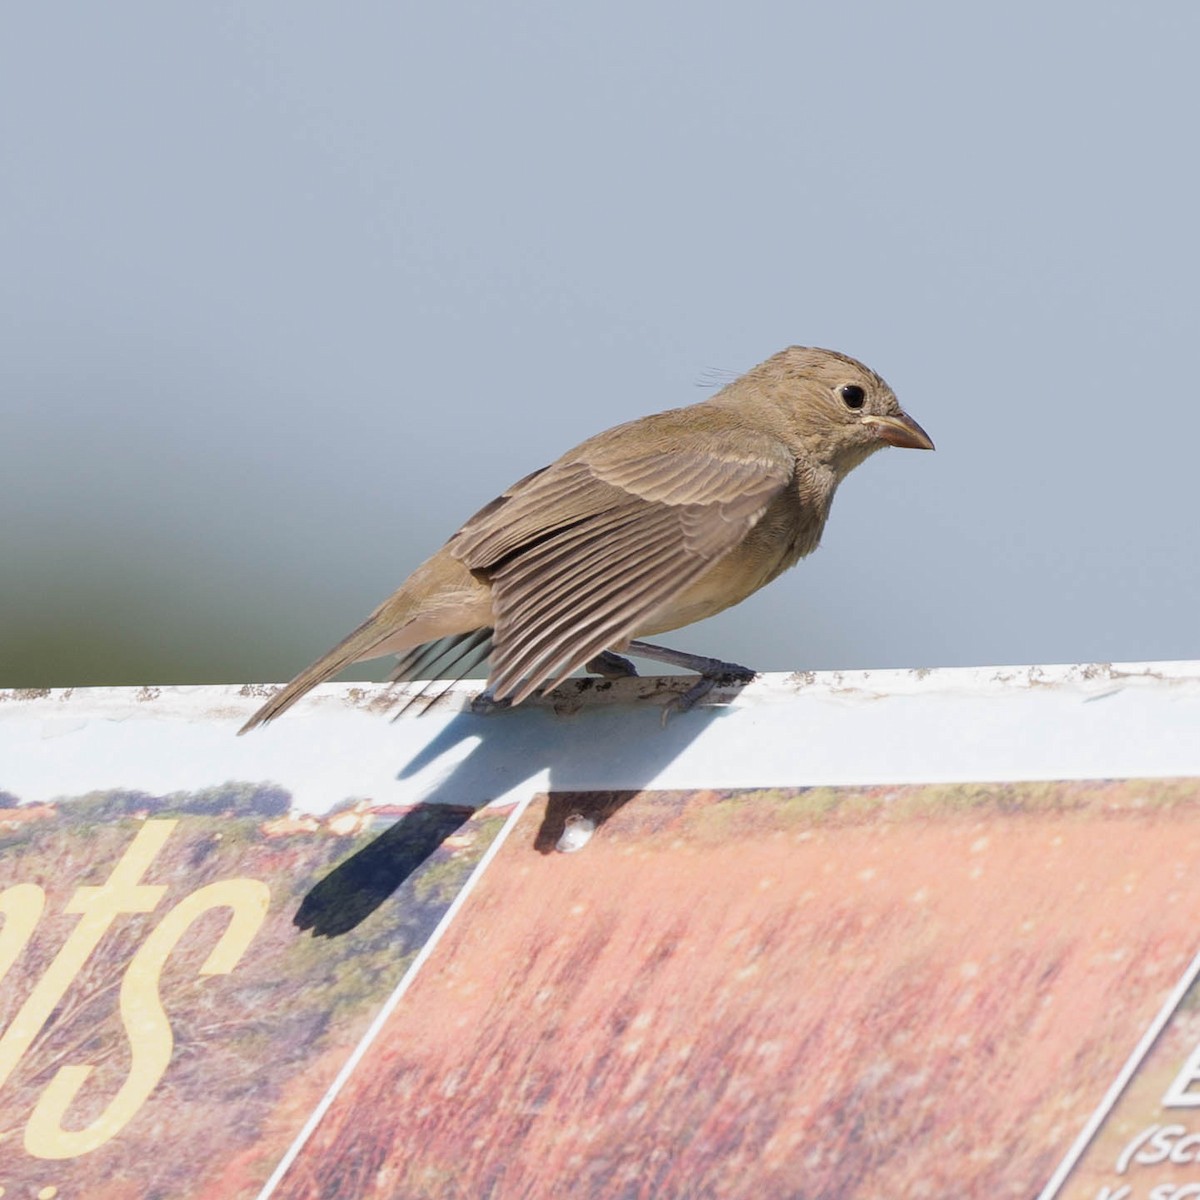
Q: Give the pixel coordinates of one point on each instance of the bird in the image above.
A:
(649, 526)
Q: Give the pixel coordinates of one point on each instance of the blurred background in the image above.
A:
(288, 290)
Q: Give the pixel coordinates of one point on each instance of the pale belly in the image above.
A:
(777, 542)
(726, 583)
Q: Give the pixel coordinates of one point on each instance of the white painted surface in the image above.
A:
(973, 724)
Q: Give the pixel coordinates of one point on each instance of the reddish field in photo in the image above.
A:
(839, 992)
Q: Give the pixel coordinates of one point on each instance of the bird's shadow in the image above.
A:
(587, 735)
(354, 889)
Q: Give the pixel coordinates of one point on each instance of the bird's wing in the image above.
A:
(581, 553)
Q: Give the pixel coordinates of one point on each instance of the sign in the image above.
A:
(889, 933)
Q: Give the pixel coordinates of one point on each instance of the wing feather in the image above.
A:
(581, 569)
(564, 630)
(431, 658)
(579, 554)
(444, 661)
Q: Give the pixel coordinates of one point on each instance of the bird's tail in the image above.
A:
(441, 606)
(350, 649)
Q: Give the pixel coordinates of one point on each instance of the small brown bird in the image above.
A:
(646, 527)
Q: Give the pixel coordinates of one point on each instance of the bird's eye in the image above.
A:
(853, 396)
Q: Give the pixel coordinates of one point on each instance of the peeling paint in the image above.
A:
(25, 694)
(1089, 681)
(258, 691)
(839, 727)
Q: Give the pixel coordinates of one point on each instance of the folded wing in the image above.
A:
(581, 553)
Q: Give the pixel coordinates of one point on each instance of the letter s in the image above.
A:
(145, 1021)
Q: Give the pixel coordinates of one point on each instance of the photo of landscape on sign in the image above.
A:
(835, 992)
(182, 976)
(1147, 1146)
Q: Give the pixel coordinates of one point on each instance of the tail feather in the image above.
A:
(441, 607)
(352, 648)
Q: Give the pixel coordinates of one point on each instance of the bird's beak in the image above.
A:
(900, 431)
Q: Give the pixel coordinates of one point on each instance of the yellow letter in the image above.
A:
(99, 905)
(146, 1025)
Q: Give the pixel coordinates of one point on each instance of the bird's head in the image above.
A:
(838, 410)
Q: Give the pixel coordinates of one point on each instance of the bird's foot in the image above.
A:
(713, 672)
(611, 666)
(722, 674)
(485, 704)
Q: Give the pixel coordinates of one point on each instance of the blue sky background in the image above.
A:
(289, 289)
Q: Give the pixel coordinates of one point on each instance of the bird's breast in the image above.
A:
(786, 532)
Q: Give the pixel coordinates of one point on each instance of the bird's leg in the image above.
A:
(611, 666)
(712, 671)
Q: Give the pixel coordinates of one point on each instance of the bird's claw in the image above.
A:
(722, 675)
